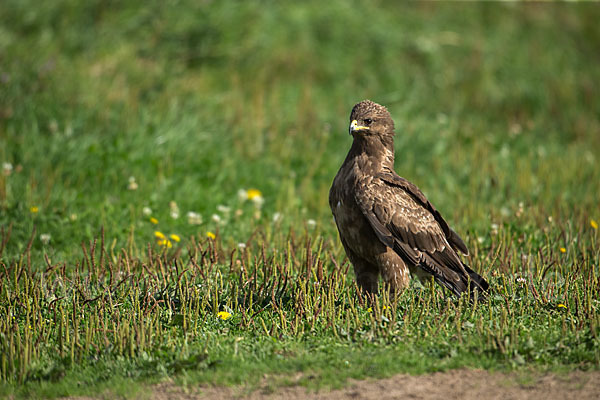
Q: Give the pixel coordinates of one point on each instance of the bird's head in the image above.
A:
(369, 119)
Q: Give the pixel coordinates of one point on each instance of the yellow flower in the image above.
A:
(594, 224)
(165, 243)
(34, 209)
(153, 220)
(253, 193)
(159, 235)
(371, 309)
(224, 315)
(561, 306)
(175, 237)
(211, 235)
(563, 250)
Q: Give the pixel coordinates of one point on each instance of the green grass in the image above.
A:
(497, 119)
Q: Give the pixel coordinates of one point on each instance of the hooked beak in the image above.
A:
(355, 127)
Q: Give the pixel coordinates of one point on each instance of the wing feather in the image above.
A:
(404, 220)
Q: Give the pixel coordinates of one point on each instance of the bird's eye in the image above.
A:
(368, 121)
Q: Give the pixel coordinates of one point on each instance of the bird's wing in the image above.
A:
(405, 221)
(392, 179)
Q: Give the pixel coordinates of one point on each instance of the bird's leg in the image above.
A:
(395, 273)
(367, 277)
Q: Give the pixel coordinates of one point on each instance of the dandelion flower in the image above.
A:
(147, 211)
(563, 250)
(45, 238)
(194, 218)
(594, 224)
(159, 235)
(224, 315)
(34, 209)
(251, 194)
(174, 237)
(210, 235)
(153, 220)
(165, 243)
(370, 309)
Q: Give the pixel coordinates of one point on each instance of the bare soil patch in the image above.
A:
(457, 384)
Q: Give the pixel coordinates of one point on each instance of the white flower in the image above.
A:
(521, 279)
(174, 209)
(242, 195)
(480, 239)
(132, 184)
(216, 218)
(311, 223)
(45, 238)
(223, 209)
(147, 211)
(494, 228)
(277, 217)
(258, 201)
(7, 168)
(194, 218)
(241, 246)
(238, 212)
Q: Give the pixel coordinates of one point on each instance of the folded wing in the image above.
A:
(407, 222)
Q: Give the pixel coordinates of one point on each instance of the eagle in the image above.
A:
(385, 223)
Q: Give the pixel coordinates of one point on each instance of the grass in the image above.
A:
(111, 116)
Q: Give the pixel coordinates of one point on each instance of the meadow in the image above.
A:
(166, 167)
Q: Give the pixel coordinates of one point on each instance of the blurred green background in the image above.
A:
(496, 107)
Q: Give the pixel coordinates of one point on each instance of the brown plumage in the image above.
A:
(386, 224)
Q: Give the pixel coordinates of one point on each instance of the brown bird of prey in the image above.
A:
(386, 224)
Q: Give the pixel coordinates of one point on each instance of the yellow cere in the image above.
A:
(594, 224)
(253, 193)
(211, 235)
(159, 235)
(224, 315)
(174, 237)
(34, 209)
(153, 220)
(563, 250)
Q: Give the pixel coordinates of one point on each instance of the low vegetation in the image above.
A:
(165, 168)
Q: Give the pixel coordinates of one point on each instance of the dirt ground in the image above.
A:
(458, 384)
